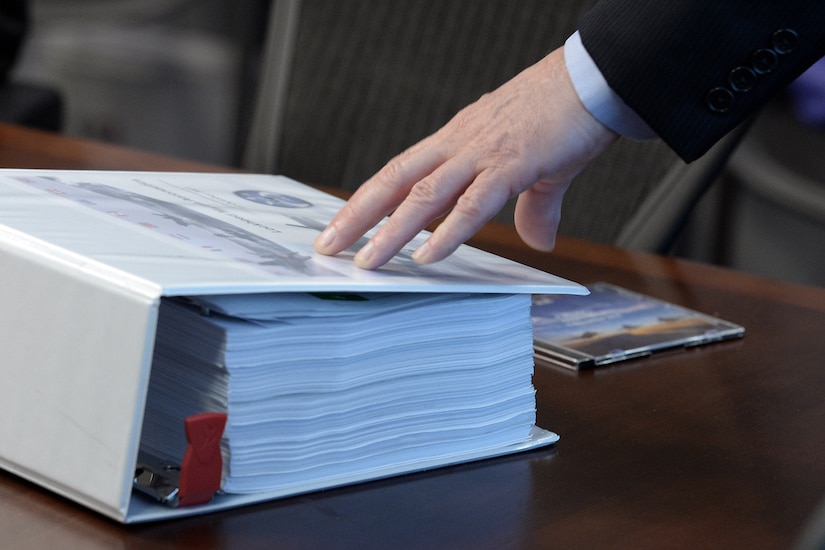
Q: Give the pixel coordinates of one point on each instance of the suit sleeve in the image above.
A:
(695, 69)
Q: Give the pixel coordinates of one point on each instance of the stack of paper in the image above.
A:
(319, 386)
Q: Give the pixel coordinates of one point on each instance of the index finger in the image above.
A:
(377, 197)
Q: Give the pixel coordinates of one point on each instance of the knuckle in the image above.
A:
(391, 172)
(471, 205)
(352, 210)
(425, 191)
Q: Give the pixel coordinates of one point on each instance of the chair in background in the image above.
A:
(20, 102)
(812, 536)
(774, 198)
(347, 85)
(31, 105)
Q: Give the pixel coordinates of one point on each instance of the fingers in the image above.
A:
(538, 213)
(476, 206)
(477, 198)
(376, 198)
(427, 200)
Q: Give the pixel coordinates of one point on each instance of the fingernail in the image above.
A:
(324, 240)
(362, 259)
(422, 253)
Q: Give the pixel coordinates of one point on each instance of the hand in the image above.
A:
(528, 138)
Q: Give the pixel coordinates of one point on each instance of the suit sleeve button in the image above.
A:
(720, 100)
(742, 79)
(784, 41)
(764, 60)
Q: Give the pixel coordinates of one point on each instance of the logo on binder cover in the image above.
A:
(273, 199)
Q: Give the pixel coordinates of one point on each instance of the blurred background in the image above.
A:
(180, 77)
(172, 76)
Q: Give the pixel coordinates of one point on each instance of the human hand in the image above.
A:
(528, 138)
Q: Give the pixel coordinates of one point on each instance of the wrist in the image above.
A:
(598, 97)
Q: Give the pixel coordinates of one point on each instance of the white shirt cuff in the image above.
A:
(597, 95)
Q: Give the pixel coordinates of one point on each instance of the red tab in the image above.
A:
(200, 473)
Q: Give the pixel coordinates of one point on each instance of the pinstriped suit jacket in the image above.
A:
(694, 69)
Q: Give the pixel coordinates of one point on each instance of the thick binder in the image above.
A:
(85, 259)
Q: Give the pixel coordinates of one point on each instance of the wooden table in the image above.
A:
(717, 447)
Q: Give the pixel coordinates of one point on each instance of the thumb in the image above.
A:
(538, 213)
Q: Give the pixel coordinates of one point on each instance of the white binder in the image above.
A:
(85, 258)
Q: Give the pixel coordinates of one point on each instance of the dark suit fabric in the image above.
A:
(668, 58)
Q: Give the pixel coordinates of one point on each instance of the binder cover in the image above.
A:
(85, 258)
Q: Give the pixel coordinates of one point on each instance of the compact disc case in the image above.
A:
(614, 324)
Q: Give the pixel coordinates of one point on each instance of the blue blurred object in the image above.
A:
(807, 95)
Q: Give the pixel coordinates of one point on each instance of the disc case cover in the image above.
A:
(615, 324)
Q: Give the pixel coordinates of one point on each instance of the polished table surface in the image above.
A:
(715, 447)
